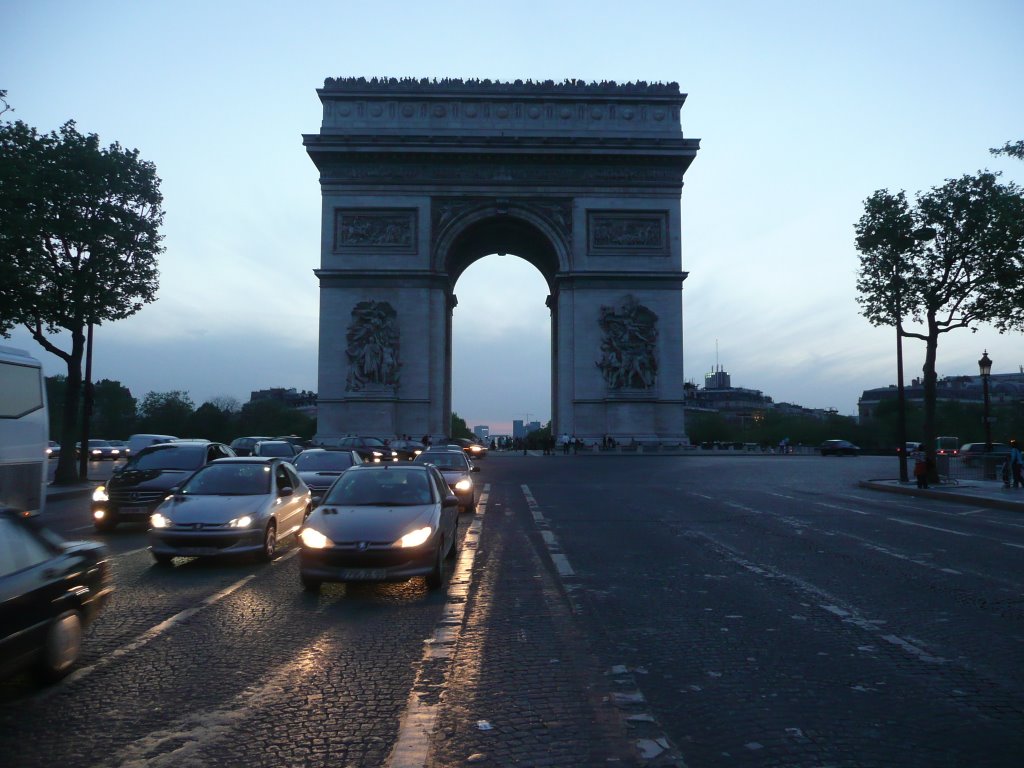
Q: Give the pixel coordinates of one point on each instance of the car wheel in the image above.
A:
(269, 542)
(62, 646)
(163, 559)
(310, 585)
(435, 578)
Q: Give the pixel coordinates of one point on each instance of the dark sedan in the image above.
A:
(457, 471)
(144, 482)
(381, 522)
(372, 449)
(839, 448)
(50, 591)
(320, 467)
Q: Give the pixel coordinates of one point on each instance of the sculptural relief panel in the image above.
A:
(391, 230)
(373, 347)
(634, 232)
(629, 359)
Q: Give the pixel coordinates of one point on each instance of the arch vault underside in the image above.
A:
(419, 179)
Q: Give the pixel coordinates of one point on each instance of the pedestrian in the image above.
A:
(1016, 465)
(921, 468)
(426, 441)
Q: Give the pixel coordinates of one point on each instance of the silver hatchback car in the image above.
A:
(231, 506)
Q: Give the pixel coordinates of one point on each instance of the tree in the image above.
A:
(78, 244)
(953, 260)
(1011, 149)
(460, 428)
(165, 413)
(114, 409)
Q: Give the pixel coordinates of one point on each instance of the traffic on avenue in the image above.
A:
(593, 610)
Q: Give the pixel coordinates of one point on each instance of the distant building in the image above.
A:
(482, 431)
(304, 402)
(522, 429)
(740, 404)
(1003, 388)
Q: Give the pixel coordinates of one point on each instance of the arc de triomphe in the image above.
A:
(420, 178)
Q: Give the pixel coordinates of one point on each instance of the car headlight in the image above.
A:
(464, 484)
(160, 521)
(100, 494)
(240, 522)
(415, 538)
(313, 539)
(96, 451)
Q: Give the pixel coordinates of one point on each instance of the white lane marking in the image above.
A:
(412, 747)
(561, 562)
(841, 509)
(1008, 544)
(832, 605)
(150, 634)
(193, 731)
(971, 512)
(930, 527)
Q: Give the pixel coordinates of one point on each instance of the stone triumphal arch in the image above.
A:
(420, 178)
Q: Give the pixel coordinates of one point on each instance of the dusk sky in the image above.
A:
(803, 110)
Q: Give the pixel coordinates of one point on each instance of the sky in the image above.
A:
(803, 110)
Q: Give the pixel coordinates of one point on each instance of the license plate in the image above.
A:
(363, 574)
(197, 551)
(133, 510)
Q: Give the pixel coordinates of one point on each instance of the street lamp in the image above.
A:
(985, 367)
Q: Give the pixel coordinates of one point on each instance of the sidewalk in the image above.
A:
(58, 492)
(981, 493)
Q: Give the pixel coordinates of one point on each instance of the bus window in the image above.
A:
(24, 432)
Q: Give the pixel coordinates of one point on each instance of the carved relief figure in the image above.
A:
(372, 346)
(628, 349)
(368, 230)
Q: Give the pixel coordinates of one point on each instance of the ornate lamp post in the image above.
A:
(985, 367)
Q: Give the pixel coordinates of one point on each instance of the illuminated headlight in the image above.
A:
(313, 539)
(414, 538)
(240, 522)
(474, 449)
(160, 521)
(100, 494)
(464, 484)
(49, 451)
(116, 452)
(417, 452)
(98, 514)
(96, 451)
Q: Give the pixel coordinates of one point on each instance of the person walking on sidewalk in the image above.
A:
(1016, 465)
(921, 468)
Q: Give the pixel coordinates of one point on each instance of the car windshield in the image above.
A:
(323, 461)
(444, 460)
(384, 488)
(170, 457)
(229, 480)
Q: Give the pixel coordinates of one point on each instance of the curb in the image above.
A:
(942, 495)
(57, 493)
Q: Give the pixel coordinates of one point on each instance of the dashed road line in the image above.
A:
(412, 746)
(930, 527)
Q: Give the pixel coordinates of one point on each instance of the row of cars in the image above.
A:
(355, 520)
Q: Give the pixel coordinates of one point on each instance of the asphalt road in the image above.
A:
(722, 611)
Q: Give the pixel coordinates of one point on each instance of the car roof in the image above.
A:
(248, 460)
(387, 466)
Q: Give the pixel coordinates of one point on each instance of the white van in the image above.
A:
(137, 442)
(24, 431)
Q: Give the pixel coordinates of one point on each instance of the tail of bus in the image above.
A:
(24, 432)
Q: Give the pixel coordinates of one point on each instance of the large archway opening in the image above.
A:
(501, 345)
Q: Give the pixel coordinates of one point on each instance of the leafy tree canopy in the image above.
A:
(1010, 148)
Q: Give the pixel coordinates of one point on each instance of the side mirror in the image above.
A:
(286, 491)
(117, 470)
(451, 500)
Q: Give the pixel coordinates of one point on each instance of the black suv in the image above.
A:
(135, 490)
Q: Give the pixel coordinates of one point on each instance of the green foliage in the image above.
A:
(78, 244)
(113, 410)
(1011, 149)
(270, 417)
(460, 428)
(165, 413)
(955, 259)
(56, 389)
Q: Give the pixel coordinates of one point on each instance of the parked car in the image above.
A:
(100, 450)
(372, 449)
(139, 486)
(280, 448)
(381, 522)
(50, 591)
(456, 469)
(242, 446)
(230, 506)
(838, 448)
(320, 467)
(53, 449)
(974, 454)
